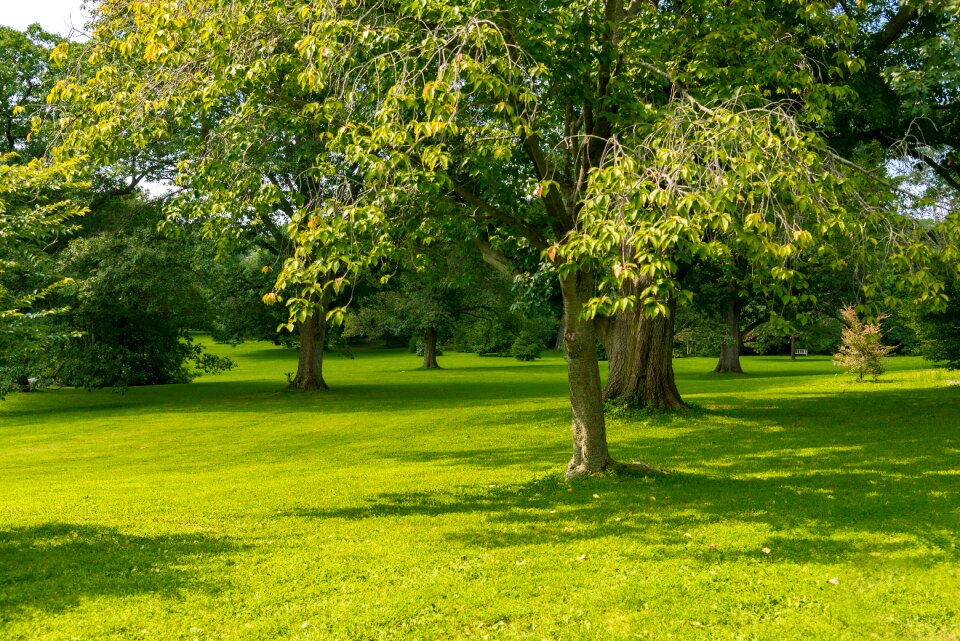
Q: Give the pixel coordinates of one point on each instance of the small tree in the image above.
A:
(861, 351)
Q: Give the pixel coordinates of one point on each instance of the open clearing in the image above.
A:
(412, 504)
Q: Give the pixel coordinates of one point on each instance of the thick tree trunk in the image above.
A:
(640, 350)
(313, 331)
(430, 349)
(730, 351)
(793, 347)
(590, 453)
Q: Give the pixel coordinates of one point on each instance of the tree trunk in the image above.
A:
(730, 350)
(793, 347)
(430, 349)
(640, 350)
(313, 331)
(561, 332)
(590, 453)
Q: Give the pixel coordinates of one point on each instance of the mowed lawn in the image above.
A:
(410, 504)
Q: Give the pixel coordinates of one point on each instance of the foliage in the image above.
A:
(31, 218)
(135, 300)
(861, 349)
(233, 287)
(939, 332)
(527, 347)
(699, 332)
(25, 80)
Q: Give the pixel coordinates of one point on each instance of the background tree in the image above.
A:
(135, 300)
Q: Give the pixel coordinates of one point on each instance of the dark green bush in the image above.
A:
(527, 347)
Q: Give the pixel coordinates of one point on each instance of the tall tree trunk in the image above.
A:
(640, 350)
(313, 331)
(730, 350)
(793, 347)
(430, 349)
(590, 453)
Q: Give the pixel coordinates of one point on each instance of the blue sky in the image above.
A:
(54, 15)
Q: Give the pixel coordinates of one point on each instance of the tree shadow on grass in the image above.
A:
(818, 474)
(55, 566)
(805, 520)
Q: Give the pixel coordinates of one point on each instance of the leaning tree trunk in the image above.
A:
(730, 350)
(640, 350)
(313, 331)
(590, 453)
(430, 349)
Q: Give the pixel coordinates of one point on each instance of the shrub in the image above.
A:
(527, 347)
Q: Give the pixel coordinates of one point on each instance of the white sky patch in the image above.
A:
(57, 16)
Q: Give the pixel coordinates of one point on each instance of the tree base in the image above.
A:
(615, 468)
(727, 370)
(666, 403)
(308, 386)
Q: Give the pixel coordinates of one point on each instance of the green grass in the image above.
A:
(428, 505)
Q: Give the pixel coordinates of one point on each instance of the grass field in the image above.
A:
(411, 504)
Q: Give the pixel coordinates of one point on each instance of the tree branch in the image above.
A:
(893, 29)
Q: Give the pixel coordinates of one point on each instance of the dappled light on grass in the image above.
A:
(430, 504)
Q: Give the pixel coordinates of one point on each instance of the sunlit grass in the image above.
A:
(410, 504)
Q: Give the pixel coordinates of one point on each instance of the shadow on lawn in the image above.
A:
(807, 520)
(55, 566)
(819, 474)
(413, 390)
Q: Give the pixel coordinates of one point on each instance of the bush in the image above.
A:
(527, 347)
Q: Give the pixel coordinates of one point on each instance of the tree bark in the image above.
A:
(313, 331)
(730, 350)
(430, 349)
(793, 347)
(640, 351)
(590, 452)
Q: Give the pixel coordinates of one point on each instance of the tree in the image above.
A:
(249, 158)
(436, 288)
(861, 351)
(31, 216)
(233, 287)
(134, 301)
(25, 80)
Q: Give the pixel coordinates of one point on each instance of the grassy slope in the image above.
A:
(428, 505)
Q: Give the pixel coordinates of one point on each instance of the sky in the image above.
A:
(54, 15)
